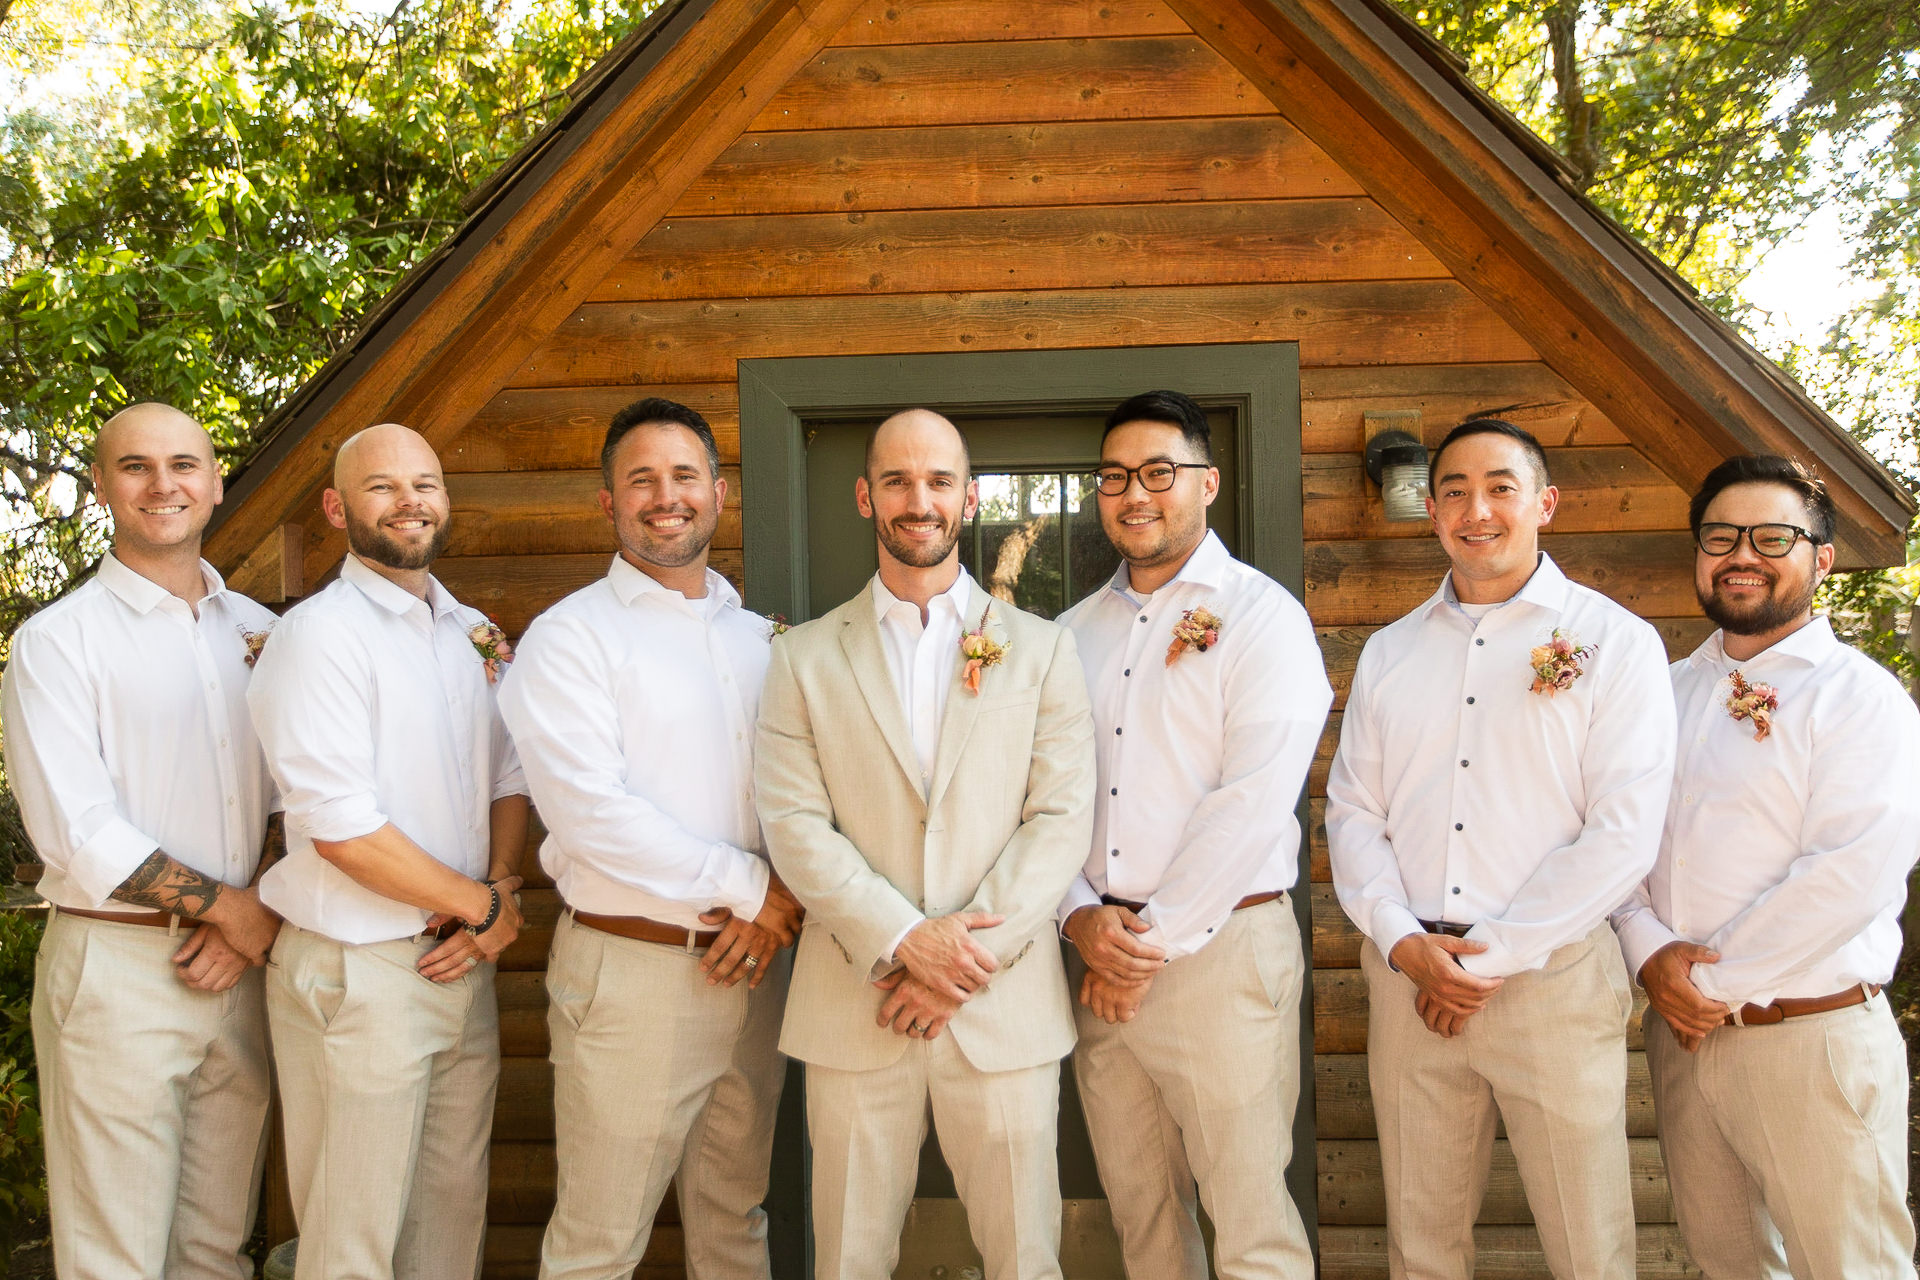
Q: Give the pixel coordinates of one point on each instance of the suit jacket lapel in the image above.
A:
(956, 726)
(860, 639)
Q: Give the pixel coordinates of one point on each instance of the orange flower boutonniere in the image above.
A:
(255, 642)
(777, 624)
(1755, 702)
(1558, 663)
(1198, 629)
(981, 651)
(490, 642)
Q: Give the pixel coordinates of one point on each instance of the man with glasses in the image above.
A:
(1208, 700)
(1503, 770)
(1772, 917)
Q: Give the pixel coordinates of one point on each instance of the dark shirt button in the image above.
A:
(1469, 701)
(1127, 672)
(1143, 617)
(1463, 763)
(1113, 791)
(1479, 641)
(1459, 826)
(1116, 733)
(1456, 888)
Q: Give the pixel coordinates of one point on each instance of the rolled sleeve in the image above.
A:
(104, 861)
(310, 698)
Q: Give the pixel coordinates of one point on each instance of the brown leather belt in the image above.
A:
(445, 931)
(1446, 927)
(1251, 900)
(155, 919)
(641, 929)
(1765, 1015)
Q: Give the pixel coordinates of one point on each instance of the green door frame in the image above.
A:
(778, 397)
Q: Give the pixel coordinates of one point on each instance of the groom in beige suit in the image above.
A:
(929, 813)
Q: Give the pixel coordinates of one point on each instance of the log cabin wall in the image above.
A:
(974, 175)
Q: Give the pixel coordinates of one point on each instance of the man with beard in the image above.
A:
(925, 778)
(406, 816)
(1189, 958)
(1503, 769)
(632, 704)
(144, 791)
(1772, 918)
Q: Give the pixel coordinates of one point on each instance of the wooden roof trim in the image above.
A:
(1516, 150)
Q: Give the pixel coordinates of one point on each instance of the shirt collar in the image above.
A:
(142, 594)
(630, 583)
(1546, 589)
(1206, 567)
(391, 596)
(960, 595)
(1810, 646)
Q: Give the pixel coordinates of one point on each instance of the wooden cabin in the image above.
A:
(797, 215)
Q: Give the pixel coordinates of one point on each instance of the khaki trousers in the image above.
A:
(154, 1100)
(1548, 1055)
(1787, 1145)
(387, 1084)
(998, 1132)
(657, 1073)
(1200, 1088)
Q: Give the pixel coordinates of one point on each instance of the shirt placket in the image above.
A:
(1695, 754)
(1120, 873)
(213, 696)
(1462, 814)
(730, 697)
(449, 645)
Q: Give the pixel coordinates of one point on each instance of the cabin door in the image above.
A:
(1036, 537)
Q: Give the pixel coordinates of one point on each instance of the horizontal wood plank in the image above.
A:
(562, 428)
(968, 250)
(1011, 81)
(1602, 490)
(501, 513)
(523, 1104)
(1362, 582)
(1340, 1012)
(1002, 166)
(513, 1252)
(1334, 323)
(1500, 1253)
(1343, 1103)
(1528, 394)
(1353, 1194)
(515, 589)
(932, 21)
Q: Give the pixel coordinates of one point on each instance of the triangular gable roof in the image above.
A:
(1366, 83)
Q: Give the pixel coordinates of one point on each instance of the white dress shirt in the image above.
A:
(1460, 795)
(632, 708)
(127, 732)
(374, 707)
(1789, 856)
(1200, 763)
(923, 657)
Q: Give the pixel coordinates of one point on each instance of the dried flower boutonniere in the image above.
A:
(981, 651)
(777, 624)
(1197, 629)
(255, 642)
(1755, 702)
(490, 642)
(1558, 663)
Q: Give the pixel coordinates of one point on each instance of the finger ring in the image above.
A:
(918, 1028)
(751, 961)
(472, 961)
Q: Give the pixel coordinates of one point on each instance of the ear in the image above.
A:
(720, 494)
(973, 500)
(862, 500)
(1549, 503)
(219, 485)
(335, 508)
(1209, 486)
(606, 504)
(1822, 562)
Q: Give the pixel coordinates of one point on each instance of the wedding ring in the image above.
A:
(751, 961)
(918, 1028)
(472, 961)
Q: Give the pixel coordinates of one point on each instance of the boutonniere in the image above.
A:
(1755, 702)
(777, 624)
(1559, 662)
(490, 642)
(255, 642)
(1197, 629)
(981, 651)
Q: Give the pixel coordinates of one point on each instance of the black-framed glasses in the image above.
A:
(1155, 477)
(1770, 540)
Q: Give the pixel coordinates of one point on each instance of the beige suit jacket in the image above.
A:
(1003, 829)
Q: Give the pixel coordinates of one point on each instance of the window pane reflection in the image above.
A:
(1036, 539)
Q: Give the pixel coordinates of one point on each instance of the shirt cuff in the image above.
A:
(1155, 936)
(1079, 894)
(109, 856)
(742, 879)
(893, 949)
(1641, 935)
(1392, 922)
(1497, 961)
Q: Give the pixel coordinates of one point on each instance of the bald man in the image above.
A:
(145, 794)
(924, 772)
(406, 817)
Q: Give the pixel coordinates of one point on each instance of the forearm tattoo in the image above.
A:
(165, 884)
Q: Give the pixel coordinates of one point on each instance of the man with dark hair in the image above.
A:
(1529, 447)
(1502, 773)
(1772, 918)
(632, 703)
(1208, 700)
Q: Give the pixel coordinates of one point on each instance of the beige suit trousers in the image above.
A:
(656, 1073)
(1787, 1145)
(387, 1083)
(1548, 1055)
(998, 1131)
(1200, 1088)
(154, 1100)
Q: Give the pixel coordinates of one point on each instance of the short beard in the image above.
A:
(370, 542)
(920, 557)
(638, 541)
(1771, 614)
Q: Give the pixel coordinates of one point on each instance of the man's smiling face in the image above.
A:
(664, 501)
(154, 470)
(1488, 506)
(1746, 593)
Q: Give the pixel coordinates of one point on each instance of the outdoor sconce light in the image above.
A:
(1397, 462)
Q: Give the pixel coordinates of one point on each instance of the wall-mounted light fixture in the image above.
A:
(1397, 462)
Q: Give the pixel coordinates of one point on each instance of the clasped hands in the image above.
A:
(1667, 978)
(1120, 967)
(237, 932)
(941, 968)
(745, 947)
(1447, 994)
(457, 956)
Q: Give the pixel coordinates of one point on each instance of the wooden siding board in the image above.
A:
(562, 428)
(1530, 394)
(1352, 1192)
(507, 513)
(1500, 1253)
(933, 21)
(1343, 1100)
